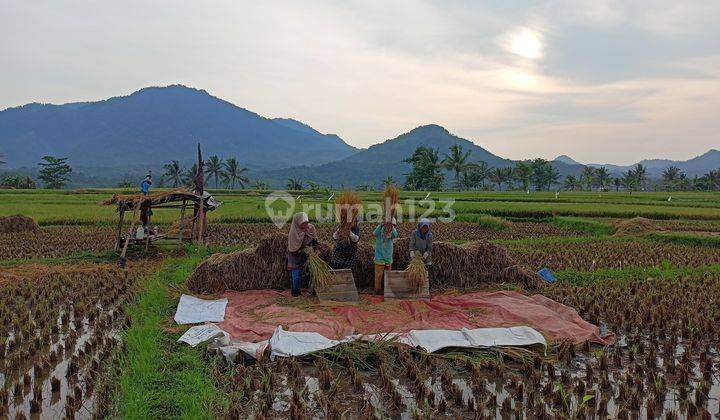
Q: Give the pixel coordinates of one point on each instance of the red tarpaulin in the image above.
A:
(253, 315)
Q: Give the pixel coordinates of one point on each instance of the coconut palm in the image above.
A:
(213, 168)
(173, 173)
(233, 174)
(571, 183)
(388, 181)
(294, 184)
(588, 177)
(523, 173)
(602, 176)
(456, 161)
(189, 176)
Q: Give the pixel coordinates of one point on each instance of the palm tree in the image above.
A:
(618, 183)
(173, 173)
(523, 173)
(588, 176)
(640, 174)
(602, 176)
(233, 173)
(388, 181)
(571, 183)
(213, 168)
(501, 175)
(456, 161)
(188, 176)
(294, 184)
(671, 175)
(259, 185)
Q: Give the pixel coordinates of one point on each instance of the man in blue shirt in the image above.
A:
(146, 183)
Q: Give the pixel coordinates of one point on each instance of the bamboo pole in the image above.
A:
(180, 223)
(119, 227)
(121, 261)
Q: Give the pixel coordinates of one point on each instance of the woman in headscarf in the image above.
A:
(384, 234)
(421, 243)
(344, 255)
(302, 234)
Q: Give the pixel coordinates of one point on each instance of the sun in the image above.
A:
(525, 43)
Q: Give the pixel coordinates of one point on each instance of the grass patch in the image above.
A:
(159, 377)
(634, 273)
(583, 225)
(484, 220)
(685, 239)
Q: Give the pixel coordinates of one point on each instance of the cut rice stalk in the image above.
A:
(390, 199)
(416, 272)
(319, 270)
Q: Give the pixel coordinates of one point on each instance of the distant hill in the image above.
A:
(566, 160)
(698, 165)
(155, 125)
(372, 165)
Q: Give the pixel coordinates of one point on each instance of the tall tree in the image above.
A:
(173, 173)
(426, 171)
(214, 168)
(294, 184)
(618, 183)
(388, 181)
(588, 177)
(54, 172)
(475, 174)
(456, 161)
(671, 176)
(602, 176)
(523, 172)
(234, 173)
(544, 174)
(640, 175)
(188, 177)
(571, 183)
(501, 176)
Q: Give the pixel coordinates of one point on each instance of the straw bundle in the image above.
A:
(17, 223)
(390, 199)
(319, 270)
(416, 272)
(636, 226)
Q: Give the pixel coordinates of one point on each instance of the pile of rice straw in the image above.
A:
(347, 207)
(416, 272)
(390, 199)
(18, 223)
(468, 266)
(637, 226)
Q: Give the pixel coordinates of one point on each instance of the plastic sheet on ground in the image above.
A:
(254, 315)
(192, 310)
(434, 340)
(200, 334)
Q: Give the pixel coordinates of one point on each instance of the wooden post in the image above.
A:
(121, 262)
(121, 210)
(147, 234)
(201, 221)
(182, 220)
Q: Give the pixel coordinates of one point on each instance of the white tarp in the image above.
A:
(434, 340)
(289, 343)
(192, 310)
(200, 334)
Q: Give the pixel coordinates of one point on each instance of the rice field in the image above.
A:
(82, 338)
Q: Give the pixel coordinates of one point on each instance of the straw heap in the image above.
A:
(467, 266)
(17, 223)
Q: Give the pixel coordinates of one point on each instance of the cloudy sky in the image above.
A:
(600, 80)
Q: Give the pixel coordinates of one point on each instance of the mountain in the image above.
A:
(372, 165)
(566, 160)
(157, 124)
(698, 165)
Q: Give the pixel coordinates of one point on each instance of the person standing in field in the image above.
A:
(302, 235)
(146, 183)
(344, 255)
(384, 234)
(421, 242)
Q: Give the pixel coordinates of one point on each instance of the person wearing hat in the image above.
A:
(421, 243)
(384, 234)
(146, 183)
(302, 236)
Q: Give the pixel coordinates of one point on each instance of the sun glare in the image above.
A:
(525, 43)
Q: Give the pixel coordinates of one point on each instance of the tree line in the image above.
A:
(228, 173)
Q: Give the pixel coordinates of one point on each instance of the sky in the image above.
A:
(599, 80)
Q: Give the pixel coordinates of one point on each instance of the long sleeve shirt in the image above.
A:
(421, 245)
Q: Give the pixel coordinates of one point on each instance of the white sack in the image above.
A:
(192, 310)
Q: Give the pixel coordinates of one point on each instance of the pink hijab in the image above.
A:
(296, 237)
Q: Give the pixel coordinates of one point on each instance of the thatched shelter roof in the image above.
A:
(131, 201)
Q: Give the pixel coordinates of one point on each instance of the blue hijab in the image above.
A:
(423, 223)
